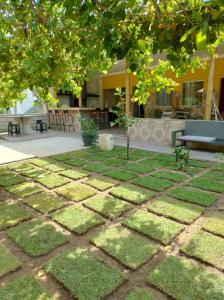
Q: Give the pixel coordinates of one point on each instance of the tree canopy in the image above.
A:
(62, 43)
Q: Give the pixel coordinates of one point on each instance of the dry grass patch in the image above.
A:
(52, 181)
(75, 174)
(215, 223)
(76, 191)
(101, 183)
(24, 189)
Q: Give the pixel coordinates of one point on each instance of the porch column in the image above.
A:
(127, 89)
(209, 94)
(45, 108)
(101, 92)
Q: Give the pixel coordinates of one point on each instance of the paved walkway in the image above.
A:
(64, 142)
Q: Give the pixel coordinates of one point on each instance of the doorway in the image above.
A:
(221, 99)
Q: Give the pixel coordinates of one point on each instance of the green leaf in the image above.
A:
(187, 34)
(201, 40)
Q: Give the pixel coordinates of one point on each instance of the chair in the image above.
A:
(13, 129)
(41, 126)
(67, 121)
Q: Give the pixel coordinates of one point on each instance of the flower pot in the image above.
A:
(88, 140)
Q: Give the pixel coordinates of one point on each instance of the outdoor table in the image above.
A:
(24, 121)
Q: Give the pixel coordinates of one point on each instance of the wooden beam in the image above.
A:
(209, 94)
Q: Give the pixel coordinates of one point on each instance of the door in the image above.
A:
(221, 100)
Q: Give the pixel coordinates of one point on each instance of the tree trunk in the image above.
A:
(209, 94)
(128, 144)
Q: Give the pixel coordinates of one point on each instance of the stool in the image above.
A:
(13, 129)
(41, 126)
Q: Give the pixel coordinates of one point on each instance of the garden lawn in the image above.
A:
(24, 288)
(107, 206)
(190, 194)
(44, 202)
(74, 174)
(199, 163)
(84, 275)
(62, 156)
(215, 223)
(153, 183)
(9, 178)
(101, 183)
(178, 210)
(158, 228)
(52, 181)
(140, 294)
(8, 262)
(138, 168)
(20, 166)
(131, 193)
(127, 247)
(24, 189)
(165, 157)
(77, 218)
(115, 162)
(76, 191)
(12, 214)
(96, 167)
(183, 279)
(207, 247)
(36, 237)
(120, 174)
(75, 162)
(173, 176)
(208, 184)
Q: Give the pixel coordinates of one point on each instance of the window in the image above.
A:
(193, 93)
(164, 99)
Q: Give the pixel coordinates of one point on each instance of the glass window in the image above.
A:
(192, 93)
(164, 99)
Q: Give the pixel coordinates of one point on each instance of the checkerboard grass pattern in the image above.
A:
(34, 172)
(9, 179)
(178, 210)
(132, 193)
(76, 191)
(196, 196)
(84, 275)
(206, 247)
(138, 168)
(120, 174)
(96, 167)
(215, 223)
(77, 218)
(183, 279)
(25, 287)
(44, 202)
(128, 248)
(36, 237)
(155, 227)
(153, 183)
(173, 176)
(208, 184)
(12, 214)
(101, 183)
(107, 206)
(52, 181)
(24, 189)
(75, 174)
(8, 262)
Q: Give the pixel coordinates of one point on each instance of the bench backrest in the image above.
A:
(205, 128)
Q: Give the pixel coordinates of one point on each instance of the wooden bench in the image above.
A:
(200, 131)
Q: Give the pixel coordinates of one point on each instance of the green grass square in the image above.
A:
(131, 193)
(193, 170)
(107, 206)
(41, 162)
(95, 157)
(158, 228)
(76, 191)
(215, 223)
(62, 156)
(154, 164)
(55, 167)
(153, 183)
(11, 179)
(12, 214)
(190, 194)
(20, 166)
(115, 162)
(178, 210)
(165, 157)
(24, 288)
(219, 167)
(141, 152)
(120, 174)
(140, 294)
(77, 218)
(44, 202)
(173, 176)
(138, 168)
(52, 181)
(108, 154)
(96, 167)
(85, 276)
(199, 163)
(127, 247)
(24, 189)
(74, 174)
(131, 157)
(208, 184)
(8, 262)
(101, 183)
(36, 237)
(183, 279)
(75, 162)
(206, 247)
(34, 172)
(214, 175)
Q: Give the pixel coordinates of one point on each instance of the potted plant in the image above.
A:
(89, 131)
